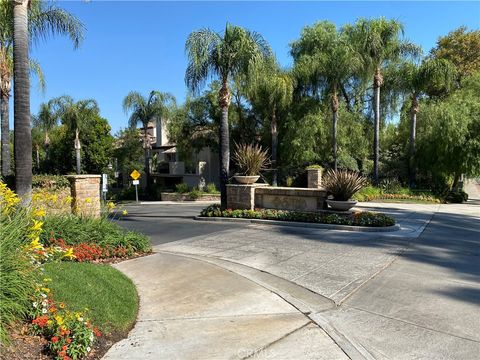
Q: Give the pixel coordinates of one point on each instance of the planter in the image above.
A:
(341, 205)
(248, 180)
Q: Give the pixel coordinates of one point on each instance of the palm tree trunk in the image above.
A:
(274, 133)
(224, 101)
(335, 120)
(77, 151)
(4, 114)
(377, 83)
(146, 149)
(37, 153)
(413, 136)
(21, 89)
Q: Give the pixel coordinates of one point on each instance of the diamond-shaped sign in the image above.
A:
(135, 175)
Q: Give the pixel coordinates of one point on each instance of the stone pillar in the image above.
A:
(85, 190)
(241, 196)
(314, 177)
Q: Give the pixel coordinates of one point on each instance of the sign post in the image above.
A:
(135, 175)
(104, 186)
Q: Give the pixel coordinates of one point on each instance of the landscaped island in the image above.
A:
(370, 219)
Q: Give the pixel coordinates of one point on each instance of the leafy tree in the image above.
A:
(156, 107)
(430, 76)
(270, 92)
(462, 48)
(324, 60)
(449, 132)
(226, 55)
(39, 21)
(129, 151)
(46, 120)
(378, 42)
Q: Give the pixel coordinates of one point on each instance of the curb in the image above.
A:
(301, 224)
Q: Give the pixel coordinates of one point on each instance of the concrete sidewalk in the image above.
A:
(190, 309)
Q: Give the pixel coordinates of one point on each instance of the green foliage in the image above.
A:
(194, 194)
(211, 189)
(110, 295)
(457, 196)
(102, 232)
(182, 188)
(395, 194)
(51, 182)
(343, 184)
(314, 167)
(129, 152)
(17, 274)
(355, 219)
(250, 159)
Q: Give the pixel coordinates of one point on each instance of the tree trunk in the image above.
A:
(77, 151)
(334, 131)
(4, 114)
(21, 93)
(224, 101)
(377, 83)
(274, 133)
(47, 154)
(146, 149)
(413, 136)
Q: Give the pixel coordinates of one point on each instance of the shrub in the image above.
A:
(251, 159)
(17, 273)
(194, 194)
(343, 184)
(75, 230)
(211, 189)
(182, 188)
(314, 167)
(51, 182)
(368, 193)
(458, 196)
(391, 186)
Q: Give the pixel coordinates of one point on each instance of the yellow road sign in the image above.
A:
(135, 175)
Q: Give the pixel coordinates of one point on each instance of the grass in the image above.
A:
(398, 195)
(109, 295)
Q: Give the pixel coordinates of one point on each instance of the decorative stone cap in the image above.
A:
(290, 191)
(248, 185)
(81, 176)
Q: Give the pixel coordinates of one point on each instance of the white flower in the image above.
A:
(80, 319)
(91, 336)
(44, 303)
(35, 304)
(88, 349)
(44, 311)
(43, 295)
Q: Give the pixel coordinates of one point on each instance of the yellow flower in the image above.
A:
(49, 322)
(59, 320)
(54, 198)
(47, 280)
(125, 212)
(35, 244)
(39, 212)
(68, 199)
(37, 226)
(69, 254)
(46, 290)
(88, 200)
(111, 205)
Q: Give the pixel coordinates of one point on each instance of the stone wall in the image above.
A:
(242, 196)
(314, 178)
(85, 191)
(165, 196)
(286, 198)
(281, 198)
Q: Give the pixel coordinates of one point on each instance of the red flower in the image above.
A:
(54, 339)
(64, 347)
(68, 340)
(97, 332)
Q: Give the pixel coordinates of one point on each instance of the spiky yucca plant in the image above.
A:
(251, 159)
(343, 184)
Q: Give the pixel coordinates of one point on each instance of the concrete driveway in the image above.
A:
(406, 295)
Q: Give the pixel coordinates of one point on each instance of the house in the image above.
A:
(199, 168)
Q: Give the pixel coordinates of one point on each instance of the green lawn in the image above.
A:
(109, 295)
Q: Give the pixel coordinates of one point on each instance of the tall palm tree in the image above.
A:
(378, 42)
(431, 76)
(155, 107)
(44, 19)
(75, 115)
(211, 54)
(325, 60)
(270, 89)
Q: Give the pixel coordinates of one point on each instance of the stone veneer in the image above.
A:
(281, 198)
(314, 178)
(85, 191)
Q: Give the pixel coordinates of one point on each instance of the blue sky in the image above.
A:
(133, 45)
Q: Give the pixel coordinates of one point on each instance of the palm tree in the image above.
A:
(270, 89)
(46, 120)
(325, 60)
(44, 19)
(431, 76)
(378, 42)
(155, 107)
(75, 115)
(225, 56)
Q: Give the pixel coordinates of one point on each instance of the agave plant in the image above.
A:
(343, 184)
(251, 159)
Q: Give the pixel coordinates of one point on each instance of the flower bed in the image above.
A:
(370, 219)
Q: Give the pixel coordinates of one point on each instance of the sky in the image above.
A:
(136, 45)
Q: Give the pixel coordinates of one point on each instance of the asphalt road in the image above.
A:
(165, 223)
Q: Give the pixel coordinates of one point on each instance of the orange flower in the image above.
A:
(54, 339)
(61, 305)
(97, 332)
(68, 340)
(64, 347)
